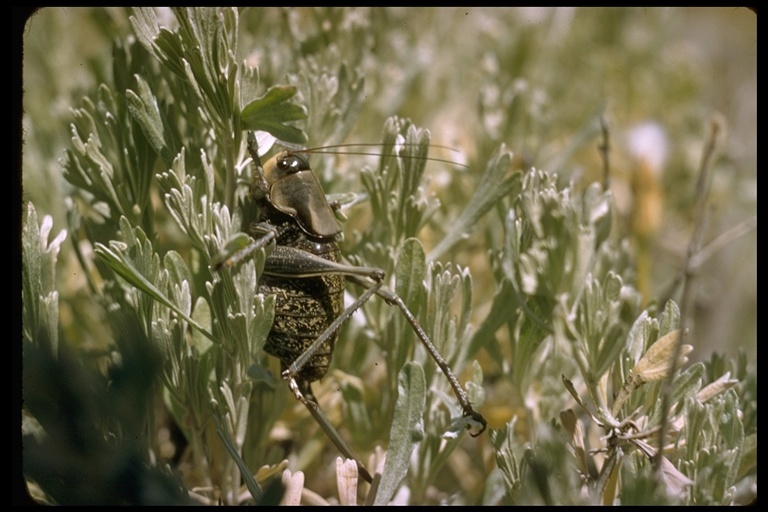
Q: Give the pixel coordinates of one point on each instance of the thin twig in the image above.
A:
(723, 240)
(706, 252)
(702, 189)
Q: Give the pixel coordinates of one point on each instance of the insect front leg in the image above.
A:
(232, 254)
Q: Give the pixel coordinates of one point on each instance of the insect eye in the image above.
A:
(292, 163)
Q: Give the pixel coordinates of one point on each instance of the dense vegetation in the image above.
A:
(585, 259)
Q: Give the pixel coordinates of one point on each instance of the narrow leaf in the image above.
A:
(117, 262)
(407, 430)
(145, 111)
(492, 187)
(250, 482)
(572, 390)
(409, 272)
(713, 389)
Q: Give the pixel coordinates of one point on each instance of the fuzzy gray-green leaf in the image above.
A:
(144, 110)
(409, 274)
(202, 315)
(118, 262)
(407, 430)
(494, 185)
(669, 320)
(270, 113)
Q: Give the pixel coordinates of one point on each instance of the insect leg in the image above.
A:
(290, 262)
(298, 364)
(287, 262)
(395, 300)
(267, 233)
(303, 392)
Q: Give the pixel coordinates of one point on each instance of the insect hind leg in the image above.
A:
(302, 389)
(303, 392)
(293, 371)
(393, 299)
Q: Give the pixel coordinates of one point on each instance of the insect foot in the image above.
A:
(477, 417)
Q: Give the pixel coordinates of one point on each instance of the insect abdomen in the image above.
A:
(304, 308)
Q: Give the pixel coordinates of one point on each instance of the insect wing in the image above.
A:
(301, 196)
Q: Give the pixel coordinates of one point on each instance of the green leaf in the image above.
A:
(261, 323)
(639, 336)
(40, 298)
(270, 113)
(407, 430)
(253, 487)
(233, 245)
(145, 26)
(176, 267)
(117, 259)
(333, 97)
(493, 186)
(409, 274)
(687, 383)
(261, 375)
(485, 333)
(508, 452)
(32, 269)
(202, 315)
(144, 110)
(669, 320)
